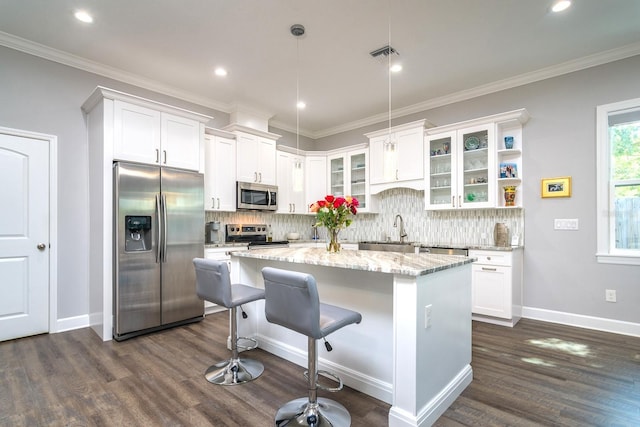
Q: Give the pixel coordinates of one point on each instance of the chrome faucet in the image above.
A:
(403, 234)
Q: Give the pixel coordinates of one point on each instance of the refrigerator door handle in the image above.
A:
(164, 228)
(159, 233)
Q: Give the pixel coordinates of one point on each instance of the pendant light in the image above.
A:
(297, 172)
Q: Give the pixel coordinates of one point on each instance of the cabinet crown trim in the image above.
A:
(102, 92)
(418, 123)
(219, 132)
(521, 115)
(235, 127)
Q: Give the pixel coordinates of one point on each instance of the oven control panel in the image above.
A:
(246, 232)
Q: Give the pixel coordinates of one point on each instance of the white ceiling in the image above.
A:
(450, 49)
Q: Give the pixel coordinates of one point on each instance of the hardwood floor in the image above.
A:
(534, 374)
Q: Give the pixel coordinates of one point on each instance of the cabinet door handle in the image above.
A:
(218, 202)
(459, 201)
(255, 177)
(157, 156)
(164, 152)
(396, 174)
(453, 201)
(213, 203)
(488, 269)
(260, 176)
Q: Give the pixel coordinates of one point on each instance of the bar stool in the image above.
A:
(213, 283)
(291, 300)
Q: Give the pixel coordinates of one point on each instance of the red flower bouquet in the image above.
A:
(335, 214)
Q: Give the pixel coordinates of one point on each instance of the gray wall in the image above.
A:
(561, 272)
(560, 268)
(43, 96)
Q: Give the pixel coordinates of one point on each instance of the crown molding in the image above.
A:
(42, 51)
(600, 58)
(64, 58)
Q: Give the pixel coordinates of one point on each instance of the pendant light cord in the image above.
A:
(297, 97)
(389, 69)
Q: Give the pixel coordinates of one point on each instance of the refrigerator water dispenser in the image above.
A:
(137, 233)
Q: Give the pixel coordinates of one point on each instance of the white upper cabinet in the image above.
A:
(256, 155)
(348, 173)
(395, 157)
(146, 135)
(458, 169)
(180, 141)
(291, 197)
(315, 178)
(467, 165)
(220, 172)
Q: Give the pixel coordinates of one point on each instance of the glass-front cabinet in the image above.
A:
(475, 164)
(458, 165)
(348, 176)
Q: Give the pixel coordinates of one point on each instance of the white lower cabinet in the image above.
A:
(496, 286)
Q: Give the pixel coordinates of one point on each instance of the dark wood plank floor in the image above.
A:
(534, 374)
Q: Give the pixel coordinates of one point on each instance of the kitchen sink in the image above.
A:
(389, 246)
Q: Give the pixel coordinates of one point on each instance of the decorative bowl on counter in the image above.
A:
(293, 236)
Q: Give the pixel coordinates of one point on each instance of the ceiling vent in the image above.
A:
(383, 52)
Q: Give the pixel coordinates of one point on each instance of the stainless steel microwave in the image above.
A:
(253, 196)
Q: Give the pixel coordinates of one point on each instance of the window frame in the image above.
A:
(606, 250)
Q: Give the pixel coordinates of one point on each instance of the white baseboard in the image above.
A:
(373, 387)
(582, 321)
(430, 413)
(70, 323)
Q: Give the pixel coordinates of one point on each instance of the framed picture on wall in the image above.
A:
(556, 187)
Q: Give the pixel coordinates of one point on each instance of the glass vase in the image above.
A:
(333, 245)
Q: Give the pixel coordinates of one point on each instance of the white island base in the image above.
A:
(413, 346)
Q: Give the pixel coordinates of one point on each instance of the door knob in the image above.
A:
(41, 246)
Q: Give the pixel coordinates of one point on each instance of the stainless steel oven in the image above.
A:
(253, 234)
(253, 196)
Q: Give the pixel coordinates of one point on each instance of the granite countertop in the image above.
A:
(375, 261)
(225, 245)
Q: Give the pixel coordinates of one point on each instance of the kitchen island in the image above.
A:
(413, 346)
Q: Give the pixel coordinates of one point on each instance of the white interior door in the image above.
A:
(24, 236)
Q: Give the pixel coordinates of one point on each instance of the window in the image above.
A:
(618, 149)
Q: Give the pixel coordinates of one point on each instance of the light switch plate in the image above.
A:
(565, 224)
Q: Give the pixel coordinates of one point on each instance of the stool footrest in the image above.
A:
(326, 375)
(251, 347)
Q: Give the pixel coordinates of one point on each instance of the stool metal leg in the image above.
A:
(235, 370)
(313, 411)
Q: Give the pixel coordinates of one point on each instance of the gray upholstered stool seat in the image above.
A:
(213, 283)
(291, 300)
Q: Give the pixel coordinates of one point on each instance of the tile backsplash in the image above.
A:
(458, 227)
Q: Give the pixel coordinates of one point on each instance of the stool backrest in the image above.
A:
(291, 300)
(213, 282)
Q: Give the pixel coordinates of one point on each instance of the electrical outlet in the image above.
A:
(427, 316)
(610, 295)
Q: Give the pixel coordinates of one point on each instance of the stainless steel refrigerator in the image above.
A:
(159, 219)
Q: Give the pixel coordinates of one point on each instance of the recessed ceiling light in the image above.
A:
(561, 5)
(395, 68)
(84, 16)
(220, 72)
(301, 105)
